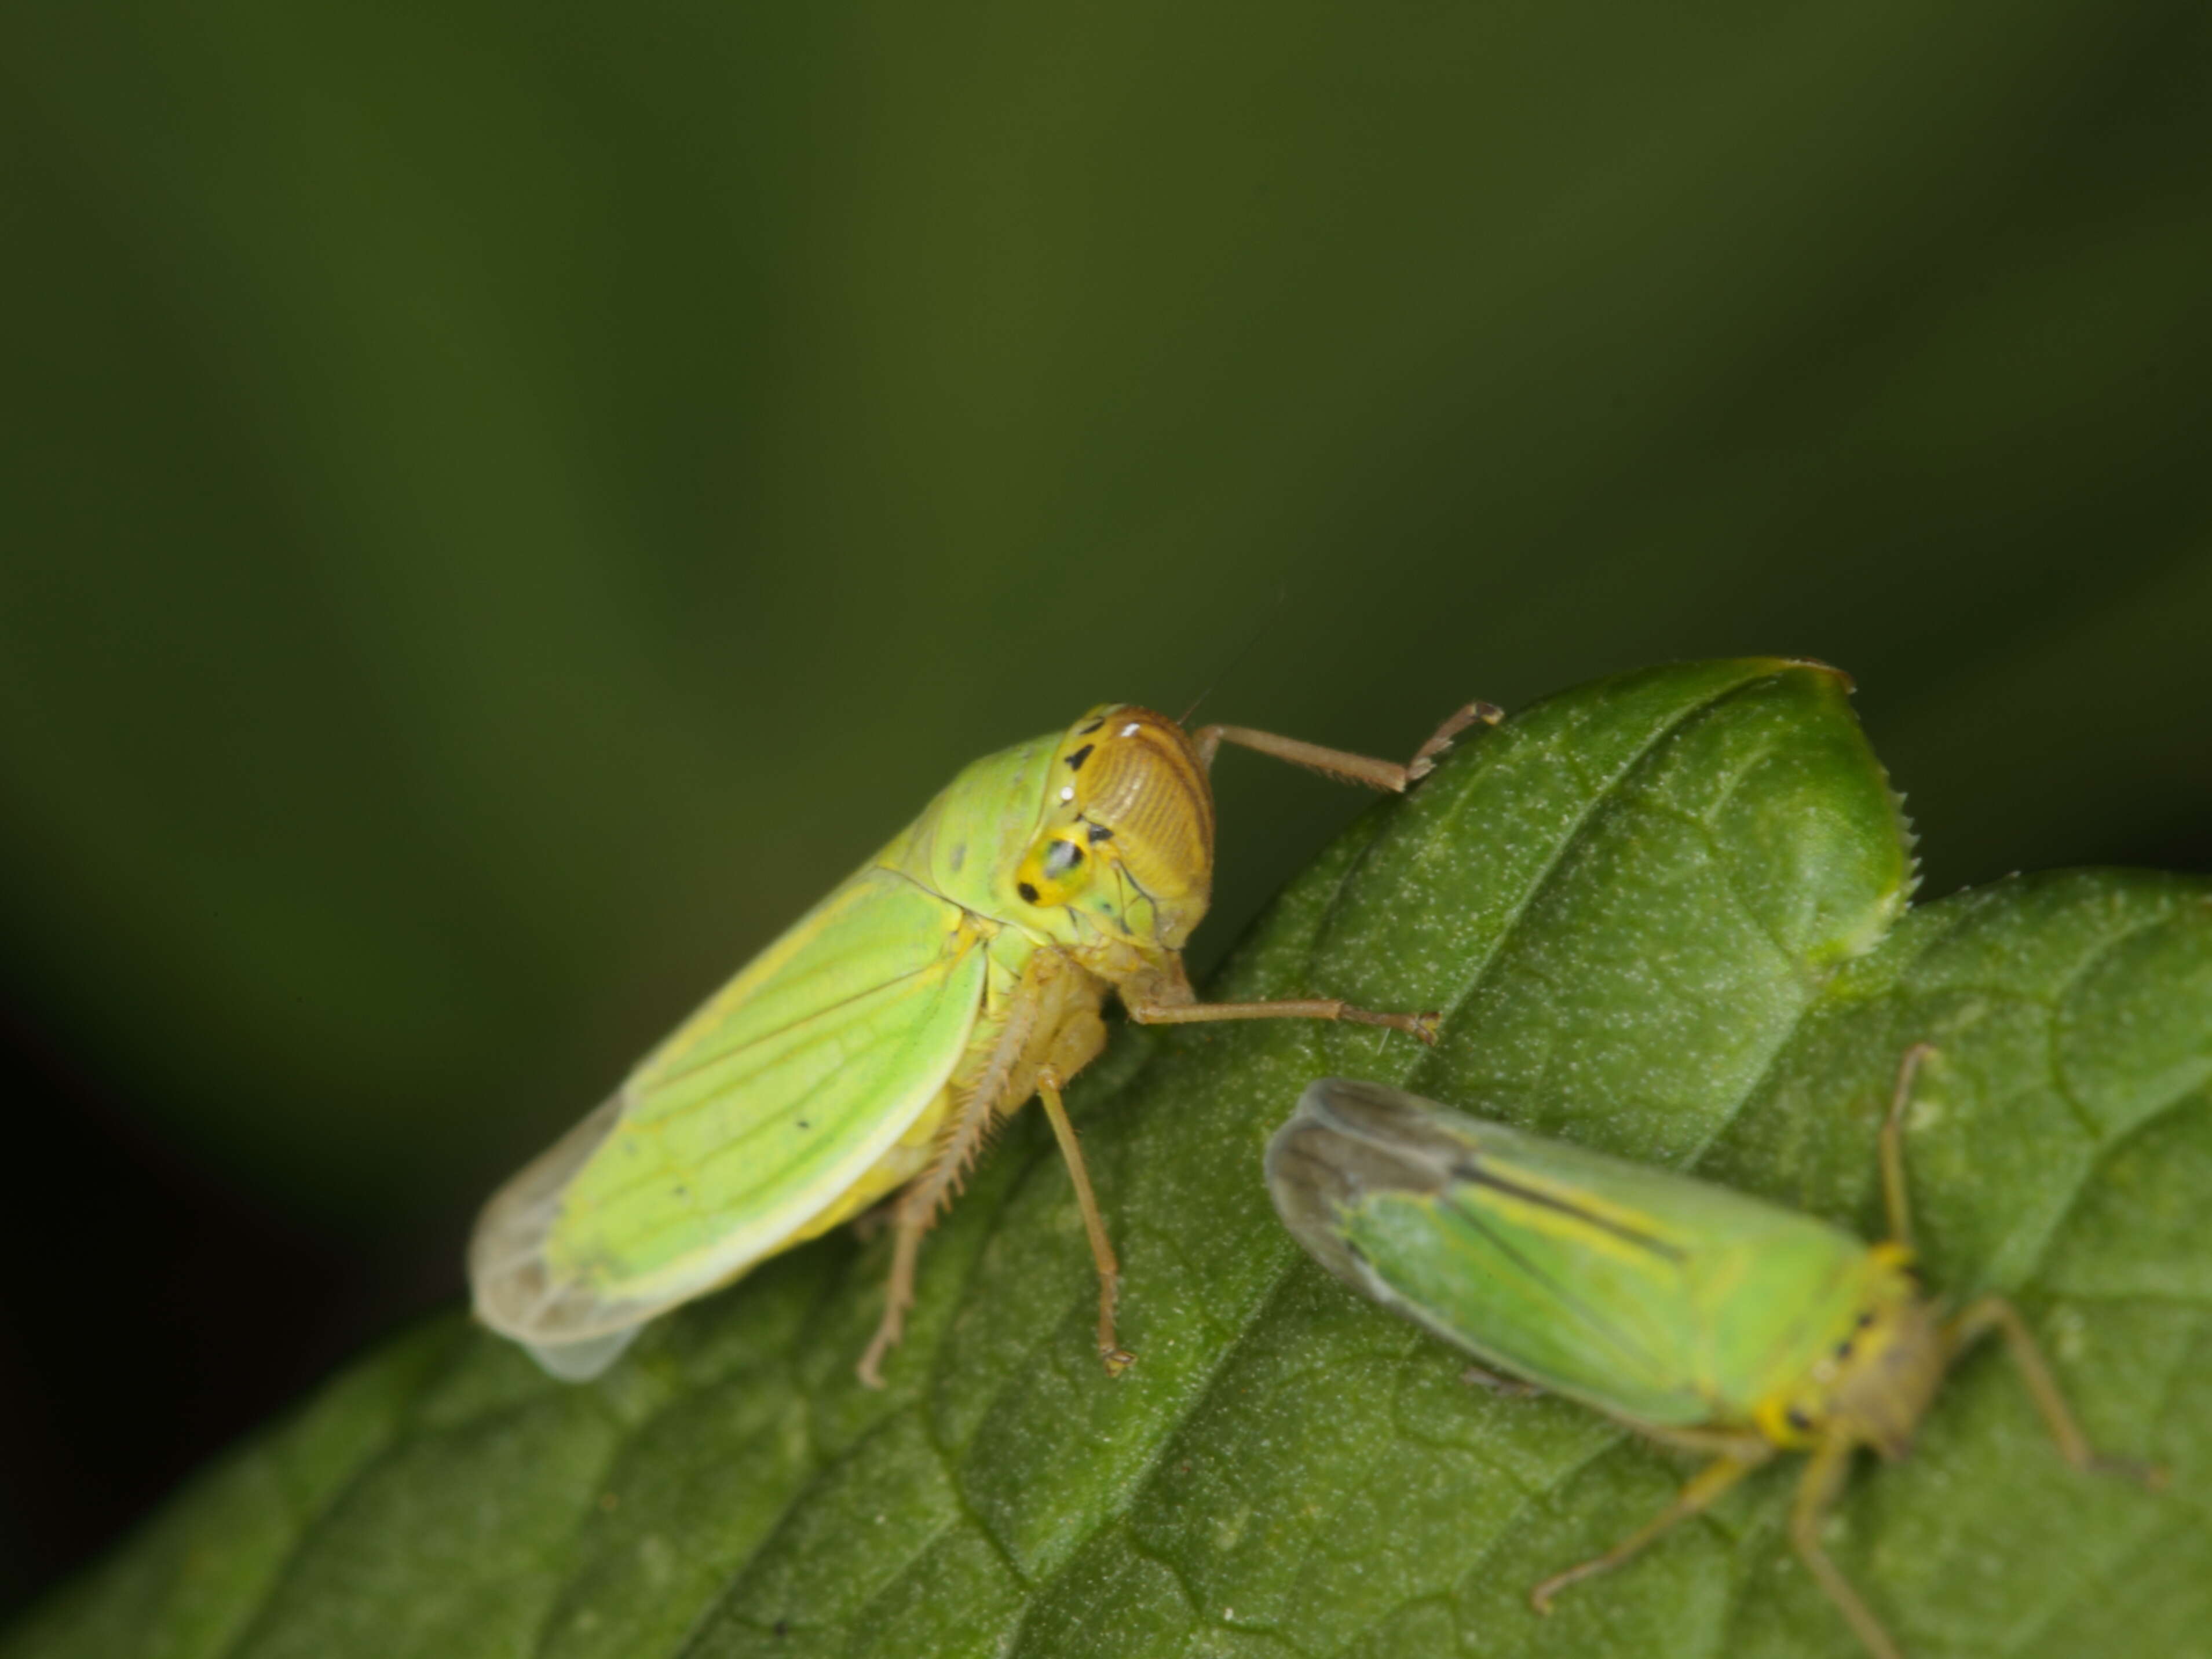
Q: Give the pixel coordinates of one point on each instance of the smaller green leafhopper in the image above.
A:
(1707, 1319)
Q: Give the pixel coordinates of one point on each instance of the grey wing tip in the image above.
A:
(1349, 1142)
(1332, 1108)
(1355, 1101)
(1346, 1138)
(1368, 1137)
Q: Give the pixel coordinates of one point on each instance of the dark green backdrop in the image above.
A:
(503, 506)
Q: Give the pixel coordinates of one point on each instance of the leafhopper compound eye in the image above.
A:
(1056, 872)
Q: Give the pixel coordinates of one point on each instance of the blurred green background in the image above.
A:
(505, 505)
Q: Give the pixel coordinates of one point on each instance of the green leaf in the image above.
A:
(1665, 914)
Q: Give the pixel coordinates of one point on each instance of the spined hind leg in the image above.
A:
(916, 1210)
(909, 1222)
(1053, 1027)
(913, 1213)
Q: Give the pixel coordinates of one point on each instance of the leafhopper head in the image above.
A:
(1878, 1381)
(1129, 808)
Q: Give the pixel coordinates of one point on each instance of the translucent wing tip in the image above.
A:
(568, 1328)
(580, 1361)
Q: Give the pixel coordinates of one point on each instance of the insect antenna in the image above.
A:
(1259, 626)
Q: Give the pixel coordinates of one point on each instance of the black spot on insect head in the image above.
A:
(1028, 893)
(1098, 832)
(1799, 1421)
(1093, 726)
(1062, 857)
(1075, 761)
(804, 1124)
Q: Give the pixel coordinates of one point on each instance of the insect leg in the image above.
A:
(1894, 1191)
(916, 1210)
(1424, 758)
(1388, 776)
(1708, 1484)
(911, 1220)
(1994, 1313)
(1816, 1494)
(1423, 1026)
(1116, 1357)
(1732, 1444)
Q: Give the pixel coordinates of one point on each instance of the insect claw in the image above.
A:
(1116, 1360)
(1424, 761)
(2151, 1477)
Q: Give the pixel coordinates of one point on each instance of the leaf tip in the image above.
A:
(1841, 676)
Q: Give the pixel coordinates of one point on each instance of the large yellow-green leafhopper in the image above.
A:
(961, 970)
(1706, 1319)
